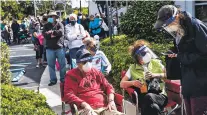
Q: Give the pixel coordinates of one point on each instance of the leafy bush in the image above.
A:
(84, 11)
(140, 18)
(17, 101)
(119, 57)
(5, 65)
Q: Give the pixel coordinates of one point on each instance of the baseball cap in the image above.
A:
(83, 55)
(166, 15)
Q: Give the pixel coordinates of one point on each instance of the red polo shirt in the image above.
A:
(91, 87)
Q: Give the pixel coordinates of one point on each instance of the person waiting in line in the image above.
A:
(74, 33)
(53, 33)
(38, 44)
(99, 61)
(88, 88)
(146, 70)
(15, 29)
(81, 19)
(190, 38)
(43, 22)
(95, 26)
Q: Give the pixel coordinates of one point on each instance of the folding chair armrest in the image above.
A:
(118, 99)
(75, 109)
(130, 91)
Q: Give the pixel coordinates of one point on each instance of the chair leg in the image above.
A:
(175, 108)
(137, 103)
(123, 106)
(76, 109)
(63, 108)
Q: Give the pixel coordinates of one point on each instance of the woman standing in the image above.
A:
(190, 35)
(74, 33)
(38, 44)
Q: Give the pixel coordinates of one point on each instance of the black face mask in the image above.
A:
(45, 19)
(94, 49)
(73, 22)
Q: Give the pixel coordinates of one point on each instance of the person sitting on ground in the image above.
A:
(87, 88)
(146, 70)
(99, 61)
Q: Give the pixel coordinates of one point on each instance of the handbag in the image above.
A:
(173, 70)
(154, 86)
(104, 26)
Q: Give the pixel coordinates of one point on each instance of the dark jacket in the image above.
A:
(15, 27)
(58, 30)
(84, 23)
(193, 60)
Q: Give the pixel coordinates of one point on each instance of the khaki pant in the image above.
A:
(100, 111)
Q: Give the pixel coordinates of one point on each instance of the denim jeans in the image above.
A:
(51, 59)
(72, 53)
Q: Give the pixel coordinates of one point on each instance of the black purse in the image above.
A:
(154, 86)
(173, 70)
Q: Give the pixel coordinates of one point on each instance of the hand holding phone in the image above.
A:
(167, 53)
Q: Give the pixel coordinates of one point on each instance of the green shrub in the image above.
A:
(119, 57)
(17, 101)
(5, 65)
(140, 18)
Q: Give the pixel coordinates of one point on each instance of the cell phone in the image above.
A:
(166, 53)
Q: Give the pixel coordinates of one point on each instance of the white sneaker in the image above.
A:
(37, 66)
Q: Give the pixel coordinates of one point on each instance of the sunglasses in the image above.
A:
(84, 62)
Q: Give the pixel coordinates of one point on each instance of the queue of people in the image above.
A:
(86, 85)
(146, 75)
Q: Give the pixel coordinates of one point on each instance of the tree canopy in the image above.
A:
(20, 9)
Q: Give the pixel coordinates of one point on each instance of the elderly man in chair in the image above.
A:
(88, 89)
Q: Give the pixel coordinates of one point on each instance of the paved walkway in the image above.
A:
(52, 93)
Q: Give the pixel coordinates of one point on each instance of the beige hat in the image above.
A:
(73, 15)
(53, 13)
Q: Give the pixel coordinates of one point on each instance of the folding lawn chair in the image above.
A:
(173, 105)
(118, 99)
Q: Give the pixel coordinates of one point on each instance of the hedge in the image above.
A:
(139, 19)
(119, 57)
(5, 65)
(18, 101)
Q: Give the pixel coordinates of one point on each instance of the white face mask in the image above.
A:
(147, 58)
(80, 17)
(87, 67)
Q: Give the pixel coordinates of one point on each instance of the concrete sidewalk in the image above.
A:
(52, 93)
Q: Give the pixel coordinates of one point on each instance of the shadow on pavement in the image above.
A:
(32, 76)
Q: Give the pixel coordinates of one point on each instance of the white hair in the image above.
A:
(73, 15)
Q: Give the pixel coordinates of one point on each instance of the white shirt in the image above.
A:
(100, 61)
(74, 34)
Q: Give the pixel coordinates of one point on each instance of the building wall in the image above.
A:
(93, 9)
(188, 6)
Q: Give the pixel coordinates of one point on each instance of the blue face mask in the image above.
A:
(50, 20)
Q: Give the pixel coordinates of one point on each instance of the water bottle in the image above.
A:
(143, 89)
